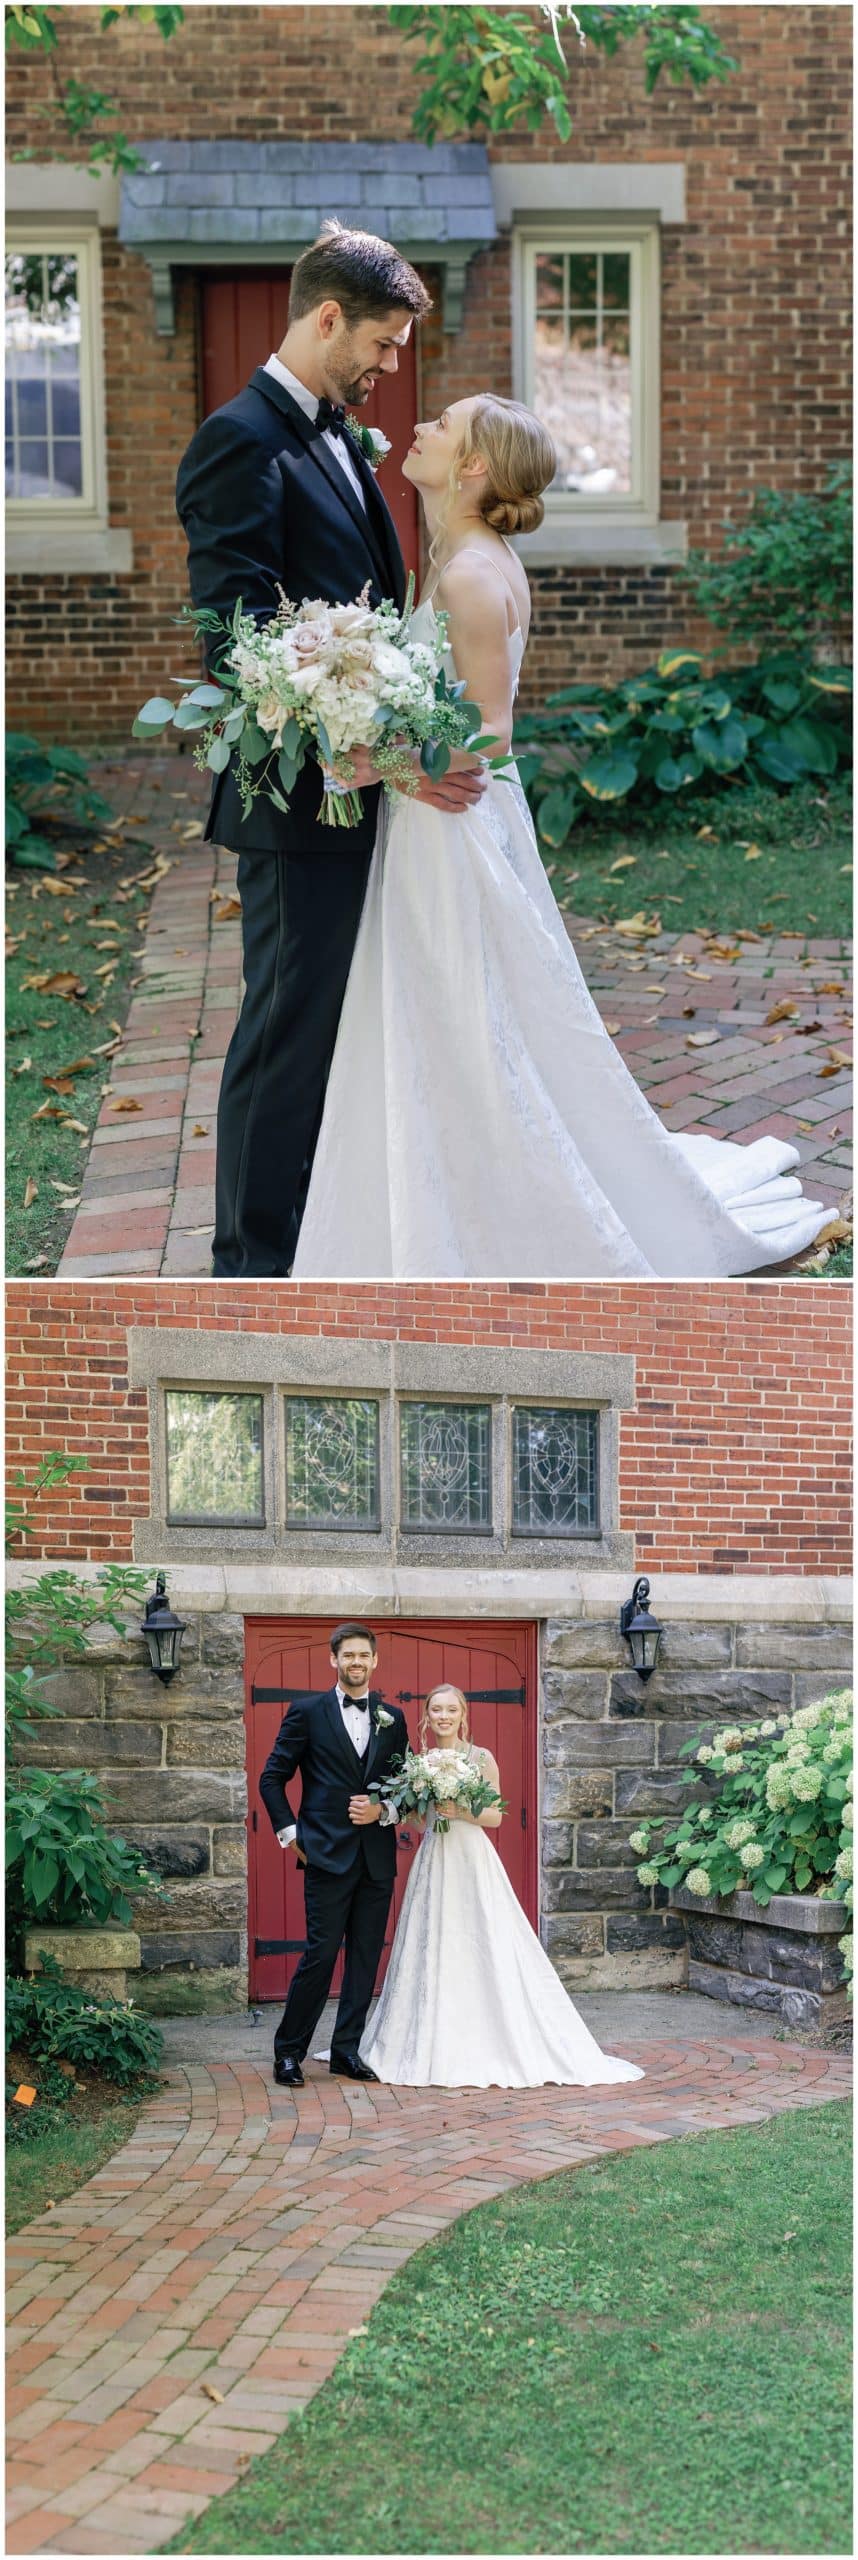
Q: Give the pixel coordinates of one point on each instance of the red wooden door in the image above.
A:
(496, 1667)
(244, 320)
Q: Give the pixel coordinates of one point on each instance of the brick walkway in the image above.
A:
(167, 2319)
(147, 1198)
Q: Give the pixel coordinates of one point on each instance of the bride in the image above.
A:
(470, 1999)
(478, 1119)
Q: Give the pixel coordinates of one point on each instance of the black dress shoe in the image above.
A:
(288, 2073)
(350, 2067)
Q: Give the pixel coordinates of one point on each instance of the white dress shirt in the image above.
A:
(308, 401)
(355, 1715)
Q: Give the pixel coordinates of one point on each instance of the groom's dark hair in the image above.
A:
(352, 1628)
(365, 275)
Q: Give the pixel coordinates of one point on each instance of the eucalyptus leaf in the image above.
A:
(218, 756)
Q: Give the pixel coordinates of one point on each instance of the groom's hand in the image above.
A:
(363, 1809)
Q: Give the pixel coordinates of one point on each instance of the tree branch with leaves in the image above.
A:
(83, 111)
(485, 70)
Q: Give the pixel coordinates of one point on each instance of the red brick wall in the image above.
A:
(756, 298)
(735, 1458)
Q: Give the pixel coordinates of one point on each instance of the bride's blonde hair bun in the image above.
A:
(520, 459)
(510, 515)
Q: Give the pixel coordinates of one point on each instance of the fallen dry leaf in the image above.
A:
(37, 1262)
(211, 2391)
(754, 853)
(613, 1028)
(832, 987)
(783, 1012)
(58, 1084)
(640, 926)
(838, 1231)
(23, 1067)
(55, 982)
(126, 1102)
(56, 888)
(31, 1192)
(624, 862)
(200, 1129)
(701, 1039)
(231, 907)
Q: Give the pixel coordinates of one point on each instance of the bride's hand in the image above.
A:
(463, 783)
(357, 769)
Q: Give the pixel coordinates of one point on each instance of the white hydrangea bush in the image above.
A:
(778, 1818)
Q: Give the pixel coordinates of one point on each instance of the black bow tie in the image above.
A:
(330, 419)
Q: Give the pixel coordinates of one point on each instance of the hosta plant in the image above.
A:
(52, 2019)
(673, 730)
(777, 1818)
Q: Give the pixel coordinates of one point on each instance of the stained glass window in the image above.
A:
(331, 1462)
(555, 1458)
(446, 1466)
(214, 1457)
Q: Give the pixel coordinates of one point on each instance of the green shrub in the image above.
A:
(673, 730)
(55, 2021)
(64, 1866)
(779, 1814)
(46, 787)
(786, 574)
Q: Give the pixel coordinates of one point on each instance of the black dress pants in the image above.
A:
(300, 915)
(351, 1908)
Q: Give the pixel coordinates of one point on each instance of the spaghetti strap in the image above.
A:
(478, 547)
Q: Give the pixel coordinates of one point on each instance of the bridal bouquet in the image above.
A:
(322, 678)
(428, 1778)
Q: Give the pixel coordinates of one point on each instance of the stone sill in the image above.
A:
(68, 551)
(804, 1911)
(587, 543)
(275, 1587)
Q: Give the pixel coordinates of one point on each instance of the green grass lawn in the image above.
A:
(646, 2356)
(60, 2155)
(79, 932)
(690, 862)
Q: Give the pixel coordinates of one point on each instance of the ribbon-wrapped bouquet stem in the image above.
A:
(322, 679)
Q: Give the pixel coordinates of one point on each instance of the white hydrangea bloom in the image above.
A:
(843, 1865)
(738, 1833)
(751, 1856)
(697, 1881)
(807, 1784)
(647, 1874)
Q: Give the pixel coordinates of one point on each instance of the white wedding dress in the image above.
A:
(470, 2000)
(479, 1122)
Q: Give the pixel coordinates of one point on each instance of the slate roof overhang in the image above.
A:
(254, 203)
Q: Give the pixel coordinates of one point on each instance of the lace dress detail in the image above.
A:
(479, 1121)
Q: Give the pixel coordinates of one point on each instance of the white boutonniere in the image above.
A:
(381, 1718)
(374, 446)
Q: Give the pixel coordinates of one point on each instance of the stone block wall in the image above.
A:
(171, 1761)
(172, 1764)
(610, 1751)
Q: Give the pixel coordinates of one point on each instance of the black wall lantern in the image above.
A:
(642, 1633)
(163, 1632)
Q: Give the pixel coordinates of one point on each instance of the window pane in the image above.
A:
(616, 281)
(549, 284)
(583, 274)
(331, 1463)
(555, 1472)
(214, 1457)
(43, 359)
(446, 1466)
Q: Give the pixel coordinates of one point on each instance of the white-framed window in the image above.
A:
(586, 333)
(56, 472)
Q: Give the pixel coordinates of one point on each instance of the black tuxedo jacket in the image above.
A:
(313, 1738)
(265, 504)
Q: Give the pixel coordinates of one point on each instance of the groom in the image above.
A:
(345, 1843)
(274, 491)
